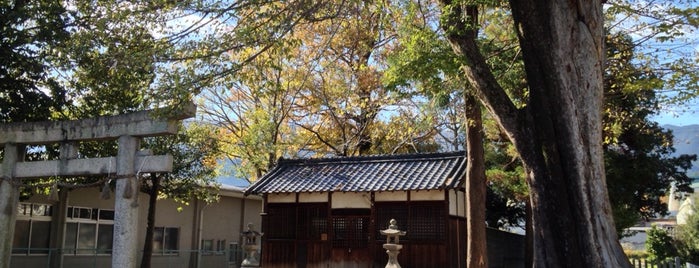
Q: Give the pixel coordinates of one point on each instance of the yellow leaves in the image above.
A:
(244, 53)
(612, 130)
(210, 162)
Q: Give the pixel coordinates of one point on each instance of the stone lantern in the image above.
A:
(250, 247)
(392, 245)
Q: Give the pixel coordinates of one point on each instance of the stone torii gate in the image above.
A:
(127, 129)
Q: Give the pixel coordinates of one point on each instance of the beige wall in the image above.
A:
(350, 200)
(457, 203)
(313, 197)
(430, 195)
(391, 196)
(221, 221)
(281, 198)
(357, 199)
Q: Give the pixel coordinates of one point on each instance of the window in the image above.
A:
(83, 213)
(312, 221)
(235, 253)
(278, 213)
(34, 210)
(385, 211)
(89, 231)
(307, 221)
(220, 247)
(207, 246)
(165, 240)
(211, 246)
(105, 237)
(32, 229)
(427, 222)
(350, 228)
(423, 221)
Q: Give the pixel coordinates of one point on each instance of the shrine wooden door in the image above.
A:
(350, 241)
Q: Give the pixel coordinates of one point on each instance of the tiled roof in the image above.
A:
(364, 174)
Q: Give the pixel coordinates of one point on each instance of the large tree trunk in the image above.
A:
(150, 225)
(477, 250)
(529, 237)
(558, 134)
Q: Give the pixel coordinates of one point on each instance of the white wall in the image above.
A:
(457, 203)
(350, 200)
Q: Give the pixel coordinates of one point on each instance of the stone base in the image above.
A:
(250, 259)
(392, 250)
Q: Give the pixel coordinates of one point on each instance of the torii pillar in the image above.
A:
(127, 129)
(125, 206)
(9, 197)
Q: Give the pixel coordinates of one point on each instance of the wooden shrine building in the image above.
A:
(328, 212)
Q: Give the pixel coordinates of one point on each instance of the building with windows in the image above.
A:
(194, 235)
(678, 208)
(328, 212)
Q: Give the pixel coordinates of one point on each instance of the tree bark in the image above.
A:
(528, 238)
(558, 134)
(477, 250)
(150, 225)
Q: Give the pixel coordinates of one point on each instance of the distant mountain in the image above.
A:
(228, 176)
(686, 141)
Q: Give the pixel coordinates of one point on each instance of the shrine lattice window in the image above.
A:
(281, 221)
(350, 228)
(312, 221)
(423, 220)
(385, 211)
(427, 221)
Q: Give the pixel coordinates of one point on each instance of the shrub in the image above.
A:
(687, 238)
(659, 244)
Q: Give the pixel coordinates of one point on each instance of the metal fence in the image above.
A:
(668, 263)
(38, 258)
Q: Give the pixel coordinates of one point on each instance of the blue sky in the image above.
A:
(660, 48)
(687, 114)
(688, 118)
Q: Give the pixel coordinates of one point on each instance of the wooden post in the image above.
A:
(58, 228)
(9, 197)
(125, 249)
(68, 151)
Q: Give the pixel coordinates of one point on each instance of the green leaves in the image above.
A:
(638, 159)
(663, 36)
(30, 30)
(195, 151)
(687, 236)
(659, 244)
